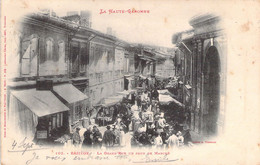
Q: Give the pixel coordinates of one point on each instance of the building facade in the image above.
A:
(64, 68)
(203, 50)
(39, 98)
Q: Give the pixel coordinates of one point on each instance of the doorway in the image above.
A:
(211, 92)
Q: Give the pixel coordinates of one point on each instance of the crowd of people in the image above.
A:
(150, 128)
(145, 121)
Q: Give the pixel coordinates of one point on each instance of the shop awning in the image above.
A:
(111, 100)
(41, 103)
(70, 93)
(126, 92)
(161, 77)
(143, 77)
(163, 92)
(166, 98)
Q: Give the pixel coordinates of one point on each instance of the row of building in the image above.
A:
(64, 68)
(201, 67)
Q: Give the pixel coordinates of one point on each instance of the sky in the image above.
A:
(156, 27)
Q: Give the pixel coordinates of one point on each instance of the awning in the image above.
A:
(111, 100)
(126, 92)
(160, 77)
(188, 86)
(70, 93)
(163, 91)
(166, 98)
(41, 103)
(143, 77)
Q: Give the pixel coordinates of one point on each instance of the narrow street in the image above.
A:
(73, 80)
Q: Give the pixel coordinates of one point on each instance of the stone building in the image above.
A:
(61, 68)
(42, 100)
(204, 53)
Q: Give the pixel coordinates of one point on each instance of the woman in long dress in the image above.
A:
(87, 142)
(122, 138)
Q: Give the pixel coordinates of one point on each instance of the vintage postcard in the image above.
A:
(130, 82)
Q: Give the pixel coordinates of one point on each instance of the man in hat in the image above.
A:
(134, 140)
(117, 133)
(109, 137)
(76, 138)
(144, 139)
(87, 142)
(155, 94)
(186, 135)
(138, 100)
(180, 138)
(97, 138)
(161, 123)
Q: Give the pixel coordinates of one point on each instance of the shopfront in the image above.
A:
(37, 114)
(75, 100)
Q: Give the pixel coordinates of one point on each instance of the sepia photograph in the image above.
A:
(130, 83)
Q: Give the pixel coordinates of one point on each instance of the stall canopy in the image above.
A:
(166, 98)
(41, 103)
(111, 100)
(69, 93)
(161, 77)
(143, 77)
(125, 93)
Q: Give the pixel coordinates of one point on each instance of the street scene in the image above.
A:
(75, 86)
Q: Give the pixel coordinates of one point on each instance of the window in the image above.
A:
(26, 58)
(127, 64)
(78, 112)
(29, 53)
(75, 58)
(61, 47)
(56, 121)
(49, 49)
(94, 95)
(101, 92)
(83, 57)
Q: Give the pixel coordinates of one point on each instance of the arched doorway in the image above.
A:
(211, 92)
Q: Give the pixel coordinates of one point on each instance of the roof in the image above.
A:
(41, 103)
(58, 21)
(69, 93)
(203, 18)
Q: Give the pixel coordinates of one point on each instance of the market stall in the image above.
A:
(172, 84)
(106, 109)
(161, 82)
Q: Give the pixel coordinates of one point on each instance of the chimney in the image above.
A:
(114, 33)
(48, 12)
(70, 13)
(109, 31)
(85, 18)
